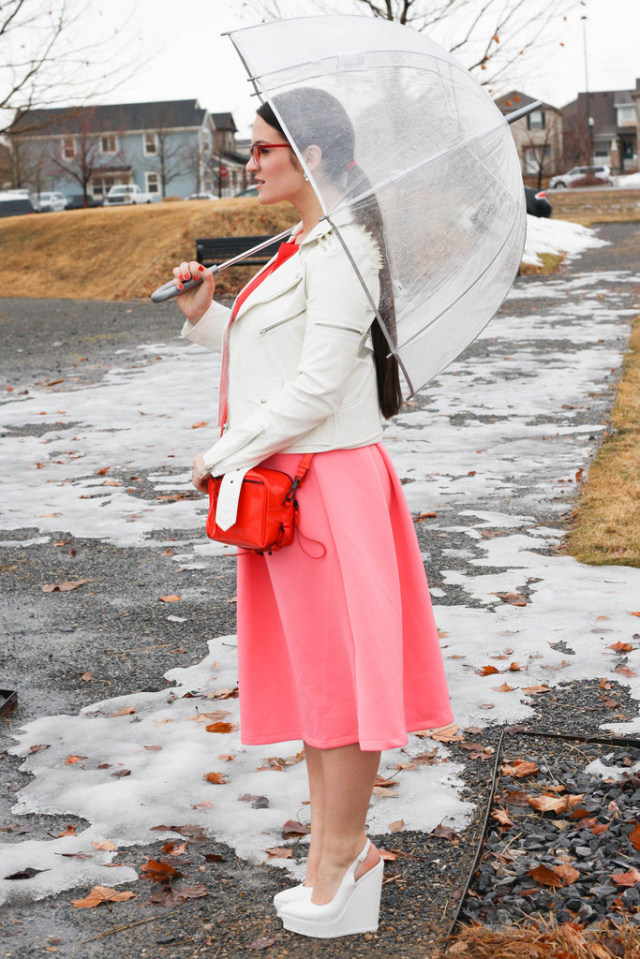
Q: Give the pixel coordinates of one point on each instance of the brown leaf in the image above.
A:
(218, 779)
(221, 727)
(159, 871)
(27, 873)
(69, 831)
(513, 599)
(170, 599)
(121, 773)
(445, 734)
(397, 825)
(520, 768)
(279, 852)
(125, 711)
(294, 828)
(626, 878)
(545, 876)
(37, 748)
(225, 693)
(100, 894)
(621, 647)
(63, 587)
(488, 671)
(426, 515)
(102, 472)
(172, 896)
(502, 816)
(385, 783)
(634, 837)
(532, 690)
(72, 760)
(107, 844)
(87, 677)
(152, 747)
(213, 717)
(566, 873)
(174, 848)
(198, 426)
(505, 688)
(387, 855)
(259, 944)
(445, 832)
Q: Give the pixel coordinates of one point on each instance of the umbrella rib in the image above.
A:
(390, 181)
(464, 292)
(374, 306)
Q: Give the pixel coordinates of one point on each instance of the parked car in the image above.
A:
(16, 204)
(202, 196)
(537, 202)
(250, 191)
(126, 195)
(51, 201)
(564, 180)
(75, 201)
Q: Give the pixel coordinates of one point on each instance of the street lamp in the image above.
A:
(590, 121)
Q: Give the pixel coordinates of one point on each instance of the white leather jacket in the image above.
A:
(301, 371)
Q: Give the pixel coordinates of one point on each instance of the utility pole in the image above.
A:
(586, 84)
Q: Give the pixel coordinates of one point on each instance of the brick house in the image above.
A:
(538, 136)
(609, 122)
(167, 148)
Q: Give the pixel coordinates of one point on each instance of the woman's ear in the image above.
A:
(312, 157)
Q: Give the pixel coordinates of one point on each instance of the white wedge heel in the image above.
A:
(354, 909)
(298, 893)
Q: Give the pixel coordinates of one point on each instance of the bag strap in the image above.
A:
(303, 468)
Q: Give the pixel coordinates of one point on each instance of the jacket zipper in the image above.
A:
(337, 326)
(287, 319)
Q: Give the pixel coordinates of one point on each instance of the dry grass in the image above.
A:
(542, 940)
(106, 254)
(606, 521)
(597, 206)
(550, 264)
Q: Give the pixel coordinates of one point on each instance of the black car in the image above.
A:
(537, 202)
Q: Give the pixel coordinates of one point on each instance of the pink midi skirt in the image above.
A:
(341, 648)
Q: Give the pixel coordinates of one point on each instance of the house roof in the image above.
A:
(515, 100)
(223, 121)
(602, 107)
(113, 118)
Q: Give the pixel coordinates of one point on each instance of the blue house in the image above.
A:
(167, 148)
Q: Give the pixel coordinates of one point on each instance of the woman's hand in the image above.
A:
(195, 302)
(200, 482)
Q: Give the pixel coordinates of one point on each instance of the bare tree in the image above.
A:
(86, 155)
(44, 60)
(490, 37)
(170, 154)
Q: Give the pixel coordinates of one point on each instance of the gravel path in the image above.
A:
(113, 632)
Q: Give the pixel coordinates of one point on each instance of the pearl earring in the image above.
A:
(305, 177)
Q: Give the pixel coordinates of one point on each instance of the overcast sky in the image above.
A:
(192, 59)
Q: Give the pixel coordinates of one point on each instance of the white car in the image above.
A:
(52, 201)
(126, 195)
(565, 180)
(202, 196)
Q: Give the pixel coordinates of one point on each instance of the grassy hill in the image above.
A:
(107, 254)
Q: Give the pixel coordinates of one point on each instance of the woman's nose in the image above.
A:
(252, 165)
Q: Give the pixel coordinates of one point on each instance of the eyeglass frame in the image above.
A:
(256, 149)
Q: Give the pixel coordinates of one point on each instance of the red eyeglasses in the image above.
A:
(256, 149)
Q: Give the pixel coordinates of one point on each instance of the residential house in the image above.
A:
(606, 124)
(538, 136)
(167, 148)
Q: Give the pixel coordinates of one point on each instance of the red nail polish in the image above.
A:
(201, 268)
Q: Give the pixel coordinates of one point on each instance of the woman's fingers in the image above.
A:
(196, 300)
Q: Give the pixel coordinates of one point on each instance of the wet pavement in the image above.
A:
(65, 650)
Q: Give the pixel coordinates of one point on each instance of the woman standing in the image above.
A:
(337, 644)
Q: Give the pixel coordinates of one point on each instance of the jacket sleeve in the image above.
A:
(209, 329)
(338, 318)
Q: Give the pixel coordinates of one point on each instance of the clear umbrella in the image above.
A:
(437, 154)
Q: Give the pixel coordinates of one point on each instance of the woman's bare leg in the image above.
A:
(348, 775)
(313, 758)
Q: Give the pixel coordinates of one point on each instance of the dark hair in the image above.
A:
(322, 120)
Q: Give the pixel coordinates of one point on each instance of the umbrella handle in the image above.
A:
(523, 112)
(169, 290)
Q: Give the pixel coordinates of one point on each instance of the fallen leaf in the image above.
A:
(169, 599)
(205, 804)
(221, 727)
(197, 426)
(100, 894)
(294, 828)
(545, 876)
(226, 757)
(566, 873)
(121, 773)
(37, 748)
(102, 472)
(152, 747)
(505, 688)
(513, 599)
(520, 768)
(621, 647)
(224, 693)
(532, 690)
(445, 832)
(397, 825)
(209, 717)
(87, 677)
(259, 944)
(386, 855)
(218, 779)
(488, 671)
(385, 783)
(502, 816)
(515, 667)
(69, 831)
(427, 515)
(626, 878)
(106, 844)
(75, 855)
(71, 760)
(634, 837)
(63, 587)
(174, 849)
(279, 852)
(445, 734)
(174, 896)
(27, 873)
(159, 871)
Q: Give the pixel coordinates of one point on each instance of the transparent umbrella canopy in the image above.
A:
(437, 154)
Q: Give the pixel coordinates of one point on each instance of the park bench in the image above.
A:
(211, 251)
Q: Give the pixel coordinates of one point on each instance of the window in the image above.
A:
(108, 143)
(150, 143)
(100, 185)
(153, 182)
(626, 116)
(536, 120)
(68, 148)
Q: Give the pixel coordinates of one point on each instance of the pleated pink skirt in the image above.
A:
(343, 648)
